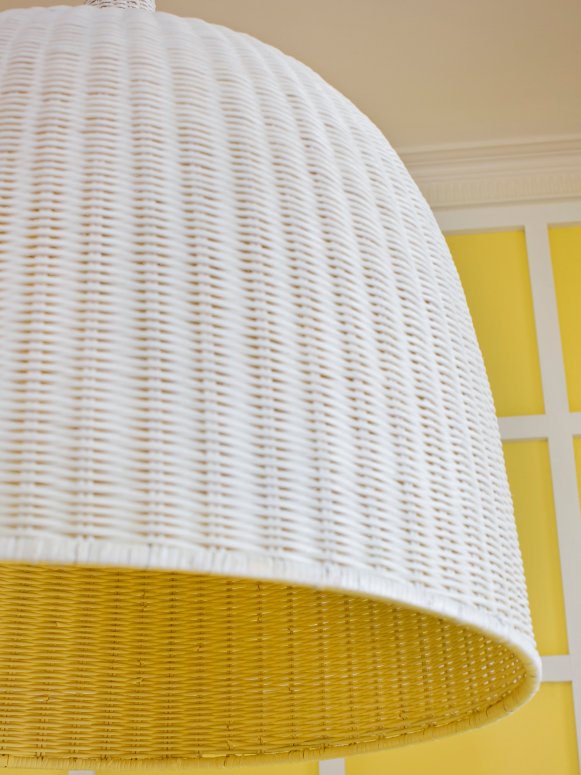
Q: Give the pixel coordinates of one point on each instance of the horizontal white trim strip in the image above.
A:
(532, 426)
(537, 426)
(557, 668)
(508, 216)
(575, 418)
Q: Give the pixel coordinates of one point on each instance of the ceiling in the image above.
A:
(428, 72)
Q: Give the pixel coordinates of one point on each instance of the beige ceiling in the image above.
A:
(428, 72)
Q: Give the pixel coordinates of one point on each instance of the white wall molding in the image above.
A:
(526, 170)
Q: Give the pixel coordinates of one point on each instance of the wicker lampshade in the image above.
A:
(253, 503)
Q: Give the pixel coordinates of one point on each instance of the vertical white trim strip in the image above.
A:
(501, 217)
(560, 436)
(534, 426)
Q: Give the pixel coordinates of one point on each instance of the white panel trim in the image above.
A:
(575, 419)
(527, 169)
(535, 426)
(557, 669)
(560, 436)
(531, 426)
(560, 430)
(514, 216)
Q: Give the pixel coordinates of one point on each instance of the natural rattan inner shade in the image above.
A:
(149, 668)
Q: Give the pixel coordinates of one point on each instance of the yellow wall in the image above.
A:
(538, 740)
(529, 475)
(494, 271)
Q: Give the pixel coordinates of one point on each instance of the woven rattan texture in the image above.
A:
(234, 342)
(186, 660)
(146, 5)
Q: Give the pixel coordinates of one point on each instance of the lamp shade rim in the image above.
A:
(493, 713)
(331, 577)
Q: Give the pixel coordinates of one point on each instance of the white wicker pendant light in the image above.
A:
(252, 496)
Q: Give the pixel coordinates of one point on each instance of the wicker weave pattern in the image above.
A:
(145, 5)
(169, 653)
(234, 342)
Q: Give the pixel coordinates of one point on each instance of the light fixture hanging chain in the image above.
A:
(144, 5)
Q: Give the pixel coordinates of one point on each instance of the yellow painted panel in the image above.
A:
(494, 271)
(566, 253)
(529, 474)
(537, 740)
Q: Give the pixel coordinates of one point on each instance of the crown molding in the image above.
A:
(524, 170)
